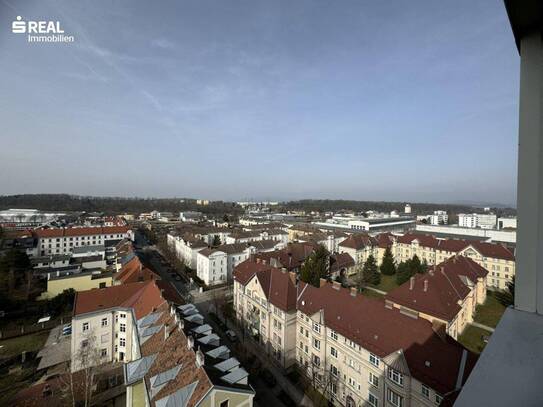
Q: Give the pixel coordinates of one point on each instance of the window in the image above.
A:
(224, 403)
(104, 321)
(84, 343)
(374, 360)
(372, 400)
(333, 388)
(333, 352)
(123, 328)
(425, 392)
(352, 383)
(438, 399)
(122, 342)
(333, 335)
(316, 327)
(334, 371)
(394, 398)
(103, 352)
(86, 326)
(316, 343)
(373, 380)
(316, 360)
(123, 315)
(102, 285)
(395, 376)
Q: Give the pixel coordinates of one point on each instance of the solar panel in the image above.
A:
(222, 352)
(209, 339)
(202, 329)
(165, 377)
(227, 365)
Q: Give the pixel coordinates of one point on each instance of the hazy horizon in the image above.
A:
(388, 101)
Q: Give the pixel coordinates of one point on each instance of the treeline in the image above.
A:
(382, 206)
(113, 205)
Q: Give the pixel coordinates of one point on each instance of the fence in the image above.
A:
(33, 328)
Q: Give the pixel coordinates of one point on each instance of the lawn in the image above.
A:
(490, 312)
(14, 346)
(370, 293)
(387, 283)
(472, 338)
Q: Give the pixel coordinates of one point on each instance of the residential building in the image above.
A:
(498, 259)
(291, 257)
(64, 240)
(439, 218)
(341, 265)
(191, 216)
(245, 236)
(503, 235)
(330, 240)
(507, 223)
(356, 351)
(186, 247)
(215, 265)
(103, 322)
(178, 361)
(359, 246)
(58, 282)
(265, 306)
(477, 220)
(447, 294)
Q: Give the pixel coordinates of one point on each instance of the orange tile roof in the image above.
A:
(84, 231)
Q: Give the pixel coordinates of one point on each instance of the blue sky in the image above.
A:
(389, 100)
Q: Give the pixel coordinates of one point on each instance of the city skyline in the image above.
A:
(274, 101)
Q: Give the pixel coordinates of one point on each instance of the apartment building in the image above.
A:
(439, 218)
(265, 305)
(447, 294)
(64, 240)
(357, 351)
(103, 322)
(498, 259)
(359, 246)
(248, 236)
(330, 240)
(215, 265)
(179, 361)
(477, 220)
(291, 257)
(186, 247)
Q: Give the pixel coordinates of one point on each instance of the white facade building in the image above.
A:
(215, 265)
(507, 223)
(439, 218)
(477, 220)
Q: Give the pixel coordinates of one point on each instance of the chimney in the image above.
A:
(180, 324)
(322, 282)
(258, 260)
(432, 270)
(166, 331)
(292, 276)
(353, 291)
(283, 270)
(442, 270)
(425, 285)
(190, 342)
(199, 358)
(172, 309)
(335, 284)
(412, 283)
(263, 261)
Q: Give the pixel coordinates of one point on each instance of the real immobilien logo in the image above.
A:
(40, 31)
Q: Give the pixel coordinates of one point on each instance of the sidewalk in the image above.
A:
(296, 394)
(478, 325)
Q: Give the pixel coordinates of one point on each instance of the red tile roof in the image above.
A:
(141, 296)
(444, 288)
(382, 331)
(278, 286)
(494, 250)
(358, 241)
(135, 271)
(339, 261)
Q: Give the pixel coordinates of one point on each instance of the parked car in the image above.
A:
(231, 335)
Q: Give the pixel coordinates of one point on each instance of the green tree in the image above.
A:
(370, 272)
(405, 272)
(216, 240)
(13, 266)
(315, 266)
(416, 265)
(388, 267)
(507, 296)
(62, 303)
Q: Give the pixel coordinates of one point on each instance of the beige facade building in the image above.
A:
(498, 259)
(447, 295)
(265, 305)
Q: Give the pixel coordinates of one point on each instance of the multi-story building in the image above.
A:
(357, 351)
(439, 218)
(215, 265)
(244, 236)
(64, 240)
(330, 240)
(498, 259)
(265, 305)
(360, 246)
(186, 247)
(477, 220)
(103, 322)
(447, 294)
(179, 361)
